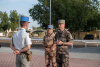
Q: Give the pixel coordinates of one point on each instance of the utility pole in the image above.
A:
(50, 12)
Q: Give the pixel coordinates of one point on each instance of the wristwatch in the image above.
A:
(50, 48)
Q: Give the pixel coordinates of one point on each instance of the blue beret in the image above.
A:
(24, 18)
(50, 26)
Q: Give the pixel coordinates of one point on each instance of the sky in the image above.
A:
(22, 7)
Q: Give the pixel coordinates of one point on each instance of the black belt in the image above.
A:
(23, 52)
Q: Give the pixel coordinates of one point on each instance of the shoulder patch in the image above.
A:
(71, 37)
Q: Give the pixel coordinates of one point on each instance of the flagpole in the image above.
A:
(50, 12)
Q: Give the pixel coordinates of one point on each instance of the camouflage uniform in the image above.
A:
(62, 52)
(49, 41)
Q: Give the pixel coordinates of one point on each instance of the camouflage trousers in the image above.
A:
(50, 57)
(62, 60)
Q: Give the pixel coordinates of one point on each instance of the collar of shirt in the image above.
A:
(62, 31)
(24, 33)
(23, 29)
(49, 34)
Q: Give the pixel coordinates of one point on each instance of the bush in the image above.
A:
(10, 36)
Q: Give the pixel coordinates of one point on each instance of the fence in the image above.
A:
(87, 41)
(84, 41)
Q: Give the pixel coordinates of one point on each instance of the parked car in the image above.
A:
(89, 36)
(98, 37)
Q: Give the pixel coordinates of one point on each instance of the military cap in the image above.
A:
(24, 18)
(50, 26)
(61, 21)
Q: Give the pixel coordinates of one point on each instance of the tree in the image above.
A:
(14, 19)
(9, 22)
(4, 25)
(4, 22)
(77, 13)
(1, 15)
(93, 22)
(34, 28)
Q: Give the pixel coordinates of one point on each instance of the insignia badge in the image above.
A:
(48, 38)
(71, 37)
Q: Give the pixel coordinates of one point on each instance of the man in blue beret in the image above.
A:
(21, 43)
(50, 47)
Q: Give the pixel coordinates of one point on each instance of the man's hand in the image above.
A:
(48, 49)
(16, 52)
(53, 47)
(59, 42)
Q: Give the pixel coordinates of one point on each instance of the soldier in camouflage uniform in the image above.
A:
(63, 39)
(50, 47)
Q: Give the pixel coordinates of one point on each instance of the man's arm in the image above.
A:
(70, 40)
(55, 39)
(15, 51)
(64, 43)
(67, 43)
(43, 42)
(26, 48)
(43, 45)
(54, 45)
(12, 47)
(47, 49)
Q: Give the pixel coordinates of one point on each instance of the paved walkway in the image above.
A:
(81, 57)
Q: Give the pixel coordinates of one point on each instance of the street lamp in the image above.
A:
(50, 12)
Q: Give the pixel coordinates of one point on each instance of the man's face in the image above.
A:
(50, 30)
(61, 26)
(27, 25)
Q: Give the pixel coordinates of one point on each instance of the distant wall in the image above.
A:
(82, 34)
(41, 34)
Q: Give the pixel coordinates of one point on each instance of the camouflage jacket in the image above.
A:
(48, 40)
(64, 36)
